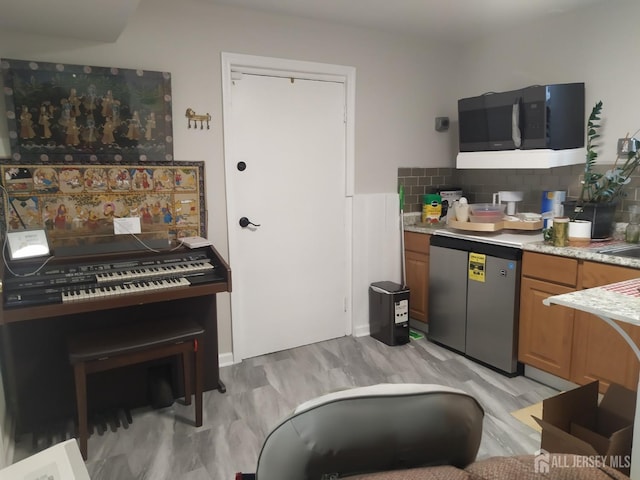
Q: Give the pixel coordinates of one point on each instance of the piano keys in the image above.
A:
(70, 294)
(60, 283)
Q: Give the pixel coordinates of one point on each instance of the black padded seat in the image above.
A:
(371, 429)
(106, 349)
(93, 345)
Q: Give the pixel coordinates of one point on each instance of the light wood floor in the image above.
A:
(163, 444)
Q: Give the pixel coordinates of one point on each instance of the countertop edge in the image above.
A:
(582, 253)
(585, 253)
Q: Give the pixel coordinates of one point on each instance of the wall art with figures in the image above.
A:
(86, 114)
(76, 204)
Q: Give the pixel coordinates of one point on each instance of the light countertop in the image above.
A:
(617, 301)
(528, 241)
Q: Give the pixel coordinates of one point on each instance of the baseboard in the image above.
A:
(361, 330)
(225, 359)
(548, 379)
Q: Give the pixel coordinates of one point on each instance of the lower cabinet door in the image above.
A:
(545, 333)
(600, 353)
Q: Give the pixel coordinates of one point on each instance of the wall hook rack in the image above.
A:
(193, 117)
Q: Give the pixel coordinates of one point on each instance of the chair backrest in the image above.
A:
(370, 429)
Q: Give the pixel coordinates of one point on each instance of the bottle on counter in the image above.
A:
(461, 210)
(632, 232)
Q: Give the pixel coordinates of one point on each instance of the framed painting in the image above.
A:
(76, 204)
(59, 113)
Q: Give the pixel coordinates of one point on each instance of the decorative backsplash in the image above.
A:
(479, 185)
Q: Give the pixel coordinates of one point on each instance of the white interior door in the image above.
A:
(290, 272)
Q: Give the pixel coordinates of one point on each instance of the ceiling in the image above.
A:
(448, 20)
(101, 21)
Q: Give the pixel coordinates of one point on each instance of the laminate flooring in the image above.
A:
(164, 444)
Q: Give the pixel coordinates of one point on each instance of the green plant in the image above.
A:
(608, 186)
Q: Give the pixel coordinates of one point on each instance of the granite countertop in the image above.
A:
(617, 301)
(412, 224)
(585, 253)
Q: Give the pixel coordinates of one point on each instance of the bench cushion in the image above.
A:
(87, 346)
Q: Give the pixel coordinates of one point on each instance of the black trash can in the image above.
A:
(389, 312)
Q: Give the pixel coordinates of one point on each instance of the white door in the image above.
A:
(290, 272)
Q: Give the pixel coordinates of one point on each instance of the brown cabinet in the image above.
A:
(416, 251)
(599, 352)
(570, 344)
(546, 335)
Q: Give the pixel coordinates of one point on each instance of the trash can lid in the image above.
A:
(390, 287)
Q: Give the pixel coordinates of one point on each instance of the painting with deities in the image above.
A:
(86, 114)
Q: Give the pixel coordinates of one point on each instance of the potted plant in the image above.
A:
(600, 191)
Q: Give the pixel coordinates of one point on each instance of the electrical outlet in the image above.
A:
(628, 145)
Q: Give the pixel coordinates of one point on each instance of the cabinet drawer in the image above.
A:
(597, 274)
(550, 267)
(416, 242)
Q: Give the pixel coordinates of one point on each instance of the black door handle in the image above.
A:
(245, 222)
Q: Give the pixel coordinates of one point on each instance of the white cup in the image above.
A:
(579, 232)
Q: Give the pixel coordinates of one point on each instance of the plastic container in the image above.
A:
(487, 209)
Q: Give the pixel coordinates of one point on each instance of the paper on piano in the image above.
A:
(195, 242)
(126, 225)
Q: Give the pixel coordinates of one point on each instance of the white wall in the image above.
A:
(596, 45)
(402, 85)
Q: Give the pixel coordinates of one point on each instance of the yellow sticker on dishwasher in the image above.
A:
(477, 262)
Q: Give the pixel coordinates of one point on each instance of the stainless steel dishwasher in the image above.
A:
(474, 291)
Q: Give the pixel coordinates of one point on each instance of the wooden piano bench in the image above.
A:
(101, 350)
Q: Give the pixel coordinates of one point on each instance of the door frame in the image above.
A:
(280, 67)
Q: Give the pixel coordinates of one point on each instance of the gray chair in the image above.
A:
(376, 428)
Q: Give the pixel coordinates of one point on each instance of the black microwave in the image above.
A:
(540, 116)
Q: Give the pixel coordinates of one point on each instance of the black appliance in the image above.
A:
(540, 116)
(389, 312)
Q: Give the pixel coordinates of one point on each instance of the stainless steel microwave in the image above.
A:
(540, 116)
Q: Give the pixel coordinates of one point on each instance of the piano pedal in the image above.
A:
(113, 421)
(124, 417)
(51, 434)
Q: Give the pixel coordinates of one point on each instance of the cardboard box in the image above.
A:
(574, 422)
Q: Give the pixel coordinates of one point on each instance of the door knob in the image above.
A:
(245, 222)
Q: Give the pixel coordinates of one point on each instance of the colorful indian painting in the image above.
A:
(78, 204)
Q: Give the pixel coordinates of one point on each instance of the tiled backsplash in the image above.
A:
(479, 185)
